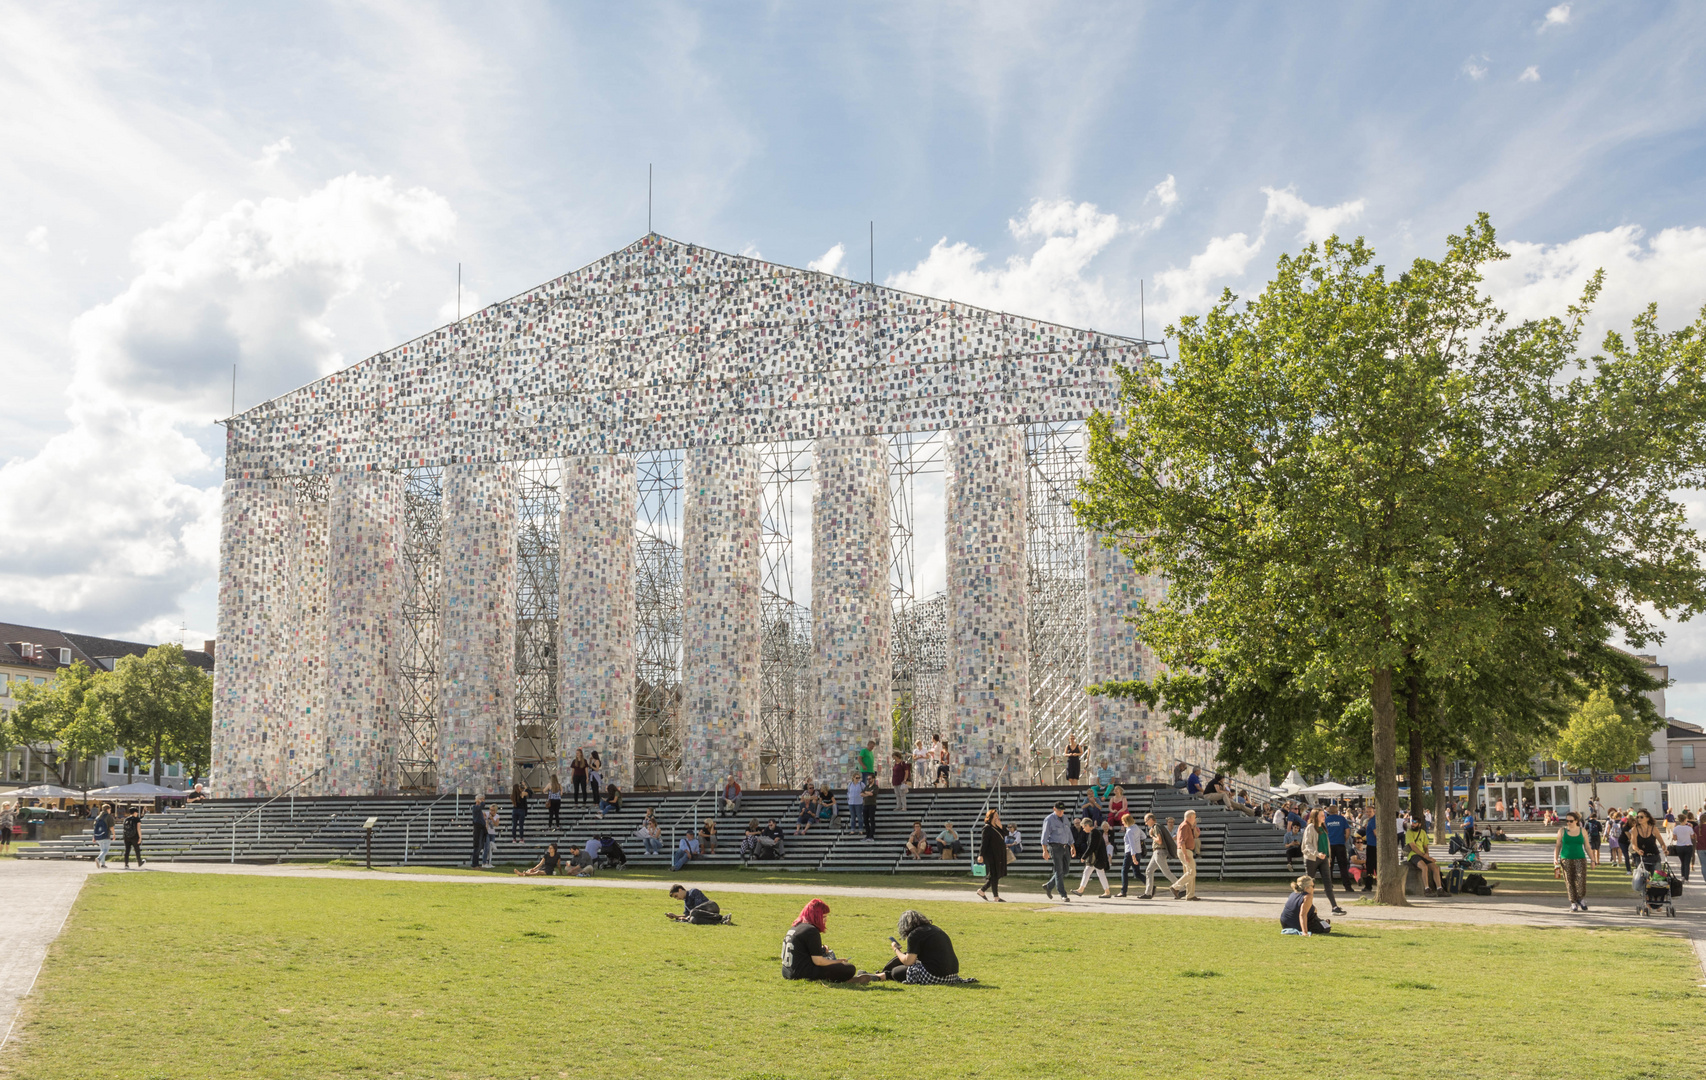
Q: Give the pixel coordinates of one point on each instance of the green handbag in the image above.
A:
(979, 870)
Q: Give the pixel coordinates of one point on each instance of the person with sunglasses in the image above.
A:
(1570, 855)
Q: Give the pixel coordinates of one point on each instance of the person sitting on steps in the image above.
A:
(917, 844)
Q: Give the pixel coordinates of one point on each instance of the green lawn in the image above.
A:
(168, 975)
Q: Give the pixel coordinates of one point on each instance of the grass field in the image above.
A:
(167, 975)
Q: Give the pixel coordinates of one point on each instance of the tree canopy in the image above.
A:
(1602, 737)
(1366, 490)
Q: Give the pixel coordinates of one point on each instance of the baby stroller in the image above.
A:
(1658, 891)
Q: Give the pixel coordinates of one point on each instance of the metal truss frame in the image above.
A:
(538, 551)
(786, 723)
(657, 622)
(920, 627)
(420, 638)
(1058, 591)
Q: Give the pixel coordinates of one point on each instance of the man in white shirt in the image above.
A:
(856, 803)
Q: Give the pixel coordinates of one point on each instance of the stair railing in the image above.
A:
(256, 812)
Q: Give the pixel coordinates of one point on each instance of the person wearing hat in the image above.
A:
(1057, 842)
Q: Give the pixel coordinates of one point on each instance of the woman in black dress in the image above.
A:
(1094, 851)
(1074, 758)
(992, 849)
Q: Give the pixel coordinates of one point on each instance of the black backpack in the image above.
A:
(1477, 884)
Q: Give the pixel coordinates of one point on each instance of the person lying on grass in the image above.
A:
(697, 908)
(928, 959)
(546, 866)
(805, 957)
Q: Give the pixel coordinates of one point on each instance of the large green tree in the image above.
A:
(161, 707)
(61, 721)
(1373, 487)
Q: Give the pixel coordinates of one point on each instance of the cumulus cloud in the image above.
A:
(1050, 282)
(1166, 195)
(1223, 261)
(1476, 67)
(1529, 74)
(271, 152)
(37, 238)
(832, 261)
(1556, 16)
(116, 518)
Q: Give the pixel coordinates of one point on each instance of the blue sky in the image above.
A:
(291, 187)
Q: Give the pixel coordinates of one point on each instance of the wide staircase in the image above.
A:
(437, 831)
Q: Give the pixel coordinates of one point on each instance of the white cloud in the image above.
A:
(1475, 67)
(1049, 283)
(271, 152)
(116, 519)
(1319, 222)
(1193, 289)
(37, 238)
(1166, 193)
(457, 306)
(1556, 16)
(1529, 74)
(832, 261)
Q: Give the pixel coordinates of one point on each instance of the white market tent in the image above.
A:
(1292, 783)
(43, 791)
(1331, 789)
(139, 790)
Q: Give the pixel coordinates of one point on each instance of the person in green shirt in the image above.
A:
(868, 761)
(1570, 855)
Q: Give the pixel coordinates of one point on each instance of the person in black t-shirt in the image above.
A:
(804, 955)
(929, 958)
(547, 864)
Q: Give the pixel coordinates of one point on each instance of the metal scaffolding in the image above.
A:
(657, 623)
(920, 627)
(1058, 592)
(538, 549)
(419, 640)
(785, 657)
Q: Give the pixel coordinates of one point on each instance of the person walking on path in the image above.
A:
(1132, 865)
(479, 823)
(1371, 854)
(7, 819)
(1594, 830)
(554, 804)
(1317, 855)
(992, 847)
(1644, 842)
(1094, 855)
(1189, 837)
(133, 837)
(1682, 836)
(518, 813)
(900, 778)
(577, 776)
(103, 835)
(1338, 840)
(1569, 854)
(1057, 843)
(1614, 840)
(1161, 849)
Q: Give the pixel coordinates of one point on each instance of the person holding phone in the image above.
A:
(928, 959)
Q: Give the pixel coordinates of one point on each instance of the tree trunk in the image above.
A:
(1474, 795)
(1442, 792)
(1390, 888)
(157, 738)
(1418, 755)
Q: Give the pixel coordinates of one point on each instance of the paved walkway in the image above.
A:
(35, 898)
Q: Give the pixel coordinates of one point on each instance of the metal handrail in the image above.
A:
(692, 808)
(291, 791)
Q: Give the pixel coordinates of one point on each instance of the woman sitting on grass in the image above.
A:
(804, 955)
(1298, 916)
(928, 959)
(546, 866)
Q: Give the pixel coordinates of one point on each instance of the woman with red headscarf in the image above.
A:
(804, 955)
